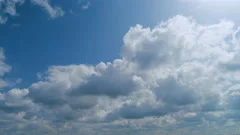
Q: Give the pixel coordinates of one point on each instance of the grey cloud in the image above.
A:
(47, 94)
(53, 92)
(172, 92)
(14, 102)
(112, 82)
(54, 95)
(82, 102)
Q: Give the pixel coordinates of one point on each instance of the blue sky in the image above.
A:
(119, 66)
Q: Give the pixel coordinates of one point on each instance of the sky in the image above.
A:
(104, 67)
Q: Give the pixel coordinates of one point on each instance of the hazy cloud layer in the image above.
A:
(178, 75)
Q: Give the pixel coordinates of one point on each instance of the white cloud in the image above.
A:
(53, 11)
(177, 74)
(177, 63)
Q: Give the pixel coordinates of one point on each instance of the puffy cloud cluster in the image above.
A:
(177, 74)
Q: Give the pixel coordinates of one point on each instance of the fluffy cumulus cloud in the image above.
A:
(179, 77)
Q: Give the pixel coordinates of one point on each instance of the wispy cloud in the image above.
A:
(4, 68)
(8, 8)
(16, 25)
(86, 5)
(3, 19)
(53, 11)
